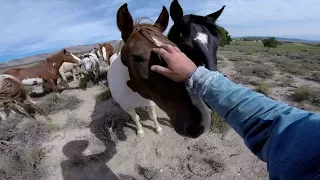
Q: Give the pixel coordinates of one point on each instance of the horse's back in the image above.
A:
(118, 76)
(15, 72)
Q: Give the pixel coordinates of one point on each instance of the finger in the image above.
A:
(162, 70)
(177, 49)
(163, 53)
(168, 48)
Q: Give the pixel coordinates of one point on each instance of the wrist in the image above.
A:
(189, 76)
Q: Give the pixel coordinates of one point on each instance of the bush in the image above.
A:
(316, 76)
(264, 88)
(262, 71)
(53, 103)
(270, 42)
(20, 150)
(106, 94)
(302, 93)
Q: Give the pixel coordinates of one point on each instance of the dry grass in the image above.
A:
(264, 88)
(218, 125)
(148, 173)
(20, 148)
(316, 76)
(104, 95)
(259, 70)
(53, 103)
(306, 93)
(73, 121)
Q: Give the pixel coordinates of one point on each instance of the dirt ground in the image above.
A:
(86, 150)
(79, 145)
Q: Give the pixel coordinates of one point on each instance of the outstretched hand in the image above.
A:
(179, 65)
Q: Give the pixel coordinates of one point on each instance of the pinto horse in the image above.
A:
(14, 97)
(188, 114)
(45, 71)
(196, 36)
(107, 51)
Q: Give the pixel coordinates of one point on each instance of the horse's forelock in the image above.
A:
(152, 32)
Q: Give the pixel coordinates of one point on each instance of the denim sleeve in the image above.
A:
(285, 137)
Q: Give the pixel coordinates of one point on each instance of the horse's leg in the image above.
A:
(63, 77)
(135, 117)
(53, 86)
(153, 115)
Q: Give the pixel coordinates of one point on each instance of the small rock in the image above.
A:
(161, 170)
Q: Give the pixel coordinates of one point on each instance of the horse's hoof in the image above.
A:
(140, 134)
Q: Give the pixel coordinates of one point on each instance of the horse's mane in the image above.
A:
(150, 31)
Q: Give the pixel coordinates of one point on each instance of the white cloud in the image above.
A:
(29, 26)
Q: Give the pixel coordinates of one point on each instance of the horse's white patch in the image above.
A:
(202, 38)
(99, 54)
(32, 81)
(157, 42)
(75, 57)
(104, 53)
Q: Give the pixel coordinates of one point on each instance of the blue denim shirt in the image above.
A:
(285, 137)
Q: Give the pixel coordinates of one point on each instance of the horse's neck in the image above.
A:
(54, 62)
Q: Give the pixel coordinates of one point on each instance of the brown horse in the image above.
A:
(107, 51)
(45, 71)
(188, 113)
(14, 97)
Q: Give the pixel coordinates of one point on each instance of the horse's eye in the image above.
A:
(137, 58)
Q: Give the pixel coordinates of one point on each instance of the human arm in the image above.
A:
(287, 138)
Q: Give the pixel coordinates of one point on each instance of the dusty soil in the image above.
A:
(81, 144)
(88, 151)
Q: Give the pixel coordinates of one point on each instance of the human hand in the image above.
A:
(179, 65)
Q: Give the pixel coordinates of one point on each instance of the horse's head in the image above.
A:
(197, 36)
(188, 114)
(67, 56)
(107, 51)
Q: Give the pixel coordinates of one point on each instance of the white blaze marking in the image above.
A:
(99, 54)
(104, 53)
(156, 41)
(75, 57)
(202, 38)
(32, 81)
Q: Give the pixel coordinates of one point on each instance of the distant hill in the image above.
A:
(39, 57)
(293, 40)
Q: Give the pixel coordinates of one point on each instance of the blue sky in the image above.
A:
(35, 26)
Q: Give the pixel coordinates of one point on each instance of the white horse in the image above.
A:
(118, 76)
(70, 67)
(96, 52)
(90, 63)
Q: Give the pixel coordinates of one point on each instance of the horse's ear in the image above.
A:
(216, 15)
(64, 51)
(163, 19)
(176, 11)
(124, 22)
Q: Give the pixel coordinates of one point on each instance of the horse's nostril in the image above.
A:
(194, 130)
